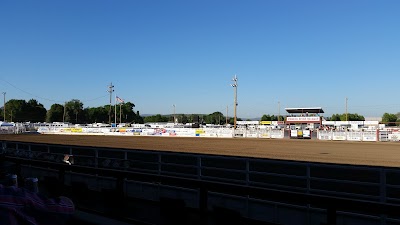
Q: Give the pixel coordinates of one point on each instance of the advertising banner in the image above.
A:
(312, 119)
(339, 136)
(306, 134)
(394, 137)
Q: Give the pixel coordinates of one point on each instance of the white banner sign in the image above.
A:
(303, 119)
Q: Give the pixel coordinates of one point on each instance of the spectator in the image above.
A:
(19, 206)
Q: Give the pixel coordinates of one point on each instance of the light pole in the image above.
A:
(110, 90)
(4, 107)
(174, 112)
(235, 85)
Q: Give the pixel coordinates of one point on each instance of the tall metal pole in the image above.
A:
(115, 111)
(347, 118)
(4, 107)
(174, 112)
(235, 85)
(110, 90)
(120, 113)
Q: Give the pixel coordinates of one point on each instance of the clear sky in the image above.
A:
(161, 53)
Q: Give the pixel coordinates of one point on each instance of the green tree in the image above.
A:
(128, 115)
(272, 118)
(155, 119)
(55, 113)
(182, 118)
(36, 111)
(18, 109)
(215, 118)
(389, 118)
(266, 118)
(350, 117)
(231, 120)
(335, 117)
(22, 111)
(74, 111)
(96, 114)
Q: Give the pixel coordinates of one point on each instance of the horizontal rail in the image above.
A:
(327, 202)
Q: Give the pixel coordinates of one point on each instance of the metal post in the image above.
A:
(110, 90)
(234, 85)
(120, 115)
(115, 112)
(174, 112)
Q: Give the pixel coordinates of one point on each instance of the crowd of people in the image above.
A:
(23, 204)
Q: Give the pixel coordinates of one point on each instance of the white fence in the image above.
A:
(389, 135)
(347, 135)
(170, 132)
(366, 135)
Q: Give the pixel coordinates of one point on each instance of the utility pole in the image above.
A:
(174, 112)
(4, 107)
(110, 90)
(235, 85)
(347, 118)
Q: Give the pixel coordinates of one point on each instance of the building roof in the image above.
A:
(305, 110)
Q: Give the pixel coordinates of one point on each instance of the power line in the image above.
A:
(47, 99)
(51, 100)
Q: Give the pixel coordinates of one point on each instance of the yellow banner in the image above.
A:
(266, 122)
(76, 130)
(200, 131)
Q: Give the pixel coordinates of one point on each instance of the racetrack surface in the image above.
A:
(339, 152)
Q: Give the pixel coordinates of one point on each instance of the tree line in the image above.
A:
(73, 112)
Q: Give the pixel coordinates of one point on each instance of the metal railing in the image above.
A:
(369, 190)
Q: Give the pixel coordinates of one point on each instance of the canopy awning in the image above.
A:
(305, 110)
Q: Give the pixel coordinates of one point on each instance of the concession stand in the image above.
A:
(301, 122)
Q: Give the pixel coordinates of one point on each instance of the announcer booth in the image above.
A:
(301, 122)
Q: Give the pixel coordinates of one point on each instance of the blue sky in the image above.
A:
(160, 53)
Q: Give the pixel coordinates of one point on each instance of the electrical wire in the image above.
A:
(48, 99)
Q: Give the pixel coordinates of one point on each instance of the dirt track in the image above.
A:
(342, 152)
